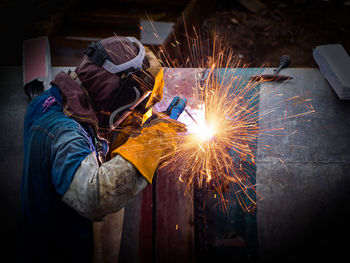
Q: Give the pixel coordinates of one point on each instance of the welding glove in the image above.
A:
(96, 191)
(154, 143)
(176, 107)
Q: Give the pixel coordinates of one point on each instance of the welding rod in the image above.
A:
(191, 117)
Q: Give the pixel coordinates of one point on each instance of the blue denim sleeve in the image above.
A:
(70, 147)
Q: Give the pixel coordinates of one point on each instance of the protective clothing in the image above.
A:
(100, 57)
(65, 182)
(100, 190)
(95, 92)
(176, 107)
(156, 141)
(132, 123)
(135, 118)
(54, 147)
(60, 164)
(142, 104)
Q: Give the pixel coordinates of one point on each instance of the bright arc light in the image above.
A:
(202, 130)
(204, 133)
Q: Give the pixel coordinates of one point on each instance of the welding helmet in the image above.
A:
(120, 75)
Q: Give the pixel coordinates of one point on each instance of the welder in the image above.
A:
(77, 168)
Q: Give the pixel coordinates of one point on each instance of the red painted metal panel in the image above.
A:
(175, 228)
(36, 59)
(174, 210)
(180, 82)
(145, 232)
(175, 223)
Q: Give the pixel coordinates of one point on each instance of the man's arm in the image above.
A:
(92, 190)
(97, 191)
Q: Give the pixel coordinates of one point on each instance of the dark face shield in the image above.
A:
(142, 103)
(130, 73)
(134, 78)
(133, 95)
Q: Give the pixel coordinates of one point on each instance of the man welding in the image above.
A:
(77, 168)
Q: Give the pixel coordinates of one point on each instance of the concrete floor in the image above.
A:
(302, 178)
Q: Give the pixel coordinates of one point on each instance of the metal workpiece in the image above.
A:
(303, 170)
(302, 177)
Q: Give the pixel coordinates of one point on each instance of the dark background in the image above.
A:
(258, 34)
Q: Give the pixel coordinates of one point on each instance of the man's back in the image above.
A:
(54, 146)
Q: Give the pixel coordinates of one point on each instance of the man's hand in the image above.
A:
(170, 115)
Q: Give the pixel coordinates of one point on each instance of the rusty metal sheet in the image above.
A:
(175, 223)
(175, 219)
(180, 82)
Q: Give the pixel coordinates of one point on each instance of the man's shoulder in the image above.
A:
(46, 111)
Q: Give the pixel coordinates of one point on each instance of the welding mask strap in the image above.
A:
(100, 57)
(97, 53)
(135, 63)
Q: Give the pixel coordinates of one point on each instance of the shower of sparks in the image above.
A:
(226, 126)
(222, 130)
(218, 150)
(200, 128)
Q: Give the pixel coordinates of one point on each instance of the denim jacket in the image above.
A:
(54, 147)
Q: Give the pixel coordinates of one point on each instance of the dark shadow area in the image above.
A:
(325, 237)
(259, 35)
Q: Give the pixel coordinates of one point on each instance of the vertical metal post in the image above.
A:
(154, 217)
(199, 222)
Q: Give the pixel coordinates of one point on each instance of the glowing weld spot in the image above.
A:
(204, 133)
(202, 130)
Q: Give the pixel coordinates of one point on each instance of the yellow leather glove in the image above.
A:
(155, 142)
(132, 123)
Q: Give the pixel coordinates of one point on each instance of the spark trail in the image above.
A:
(219, 151)
(226, 125)
(219, 147)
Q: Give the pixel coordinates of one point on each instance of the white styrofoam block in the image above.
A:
(334, 64)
